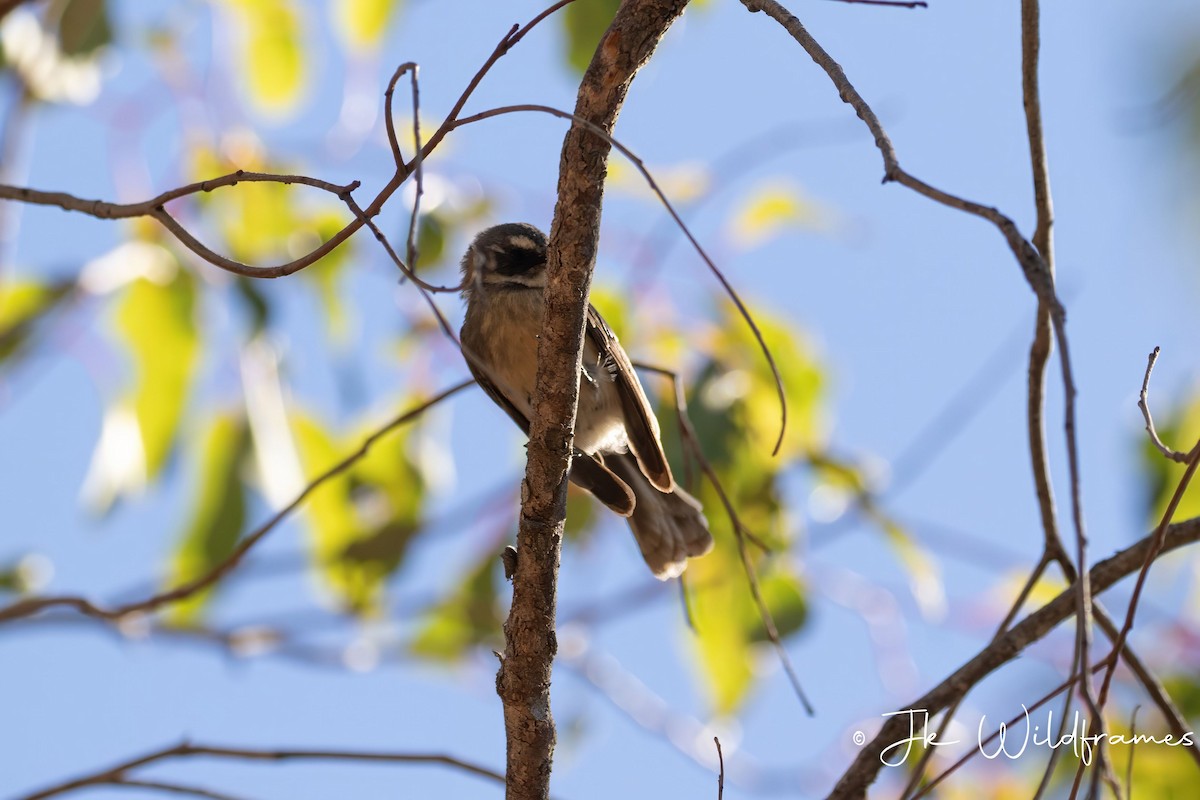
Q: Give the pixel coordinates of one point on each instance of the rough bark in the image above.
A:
(523, 681)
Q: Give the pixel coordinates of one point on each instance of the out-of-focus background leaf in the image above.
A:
(218, 513)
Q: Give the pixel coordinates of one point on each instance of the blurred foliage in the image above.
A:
(362, 521)
(771, 208)
(23, 303)
(1185, 691)
(156, 323)
(362, 23)
(218, 511)
(273, 53)
(469, 617)
(734, 409)
(583, 25)
(83, 25)
(1179, 429)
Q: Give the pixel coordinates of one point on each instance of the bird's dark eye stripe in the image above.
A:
(518, 261)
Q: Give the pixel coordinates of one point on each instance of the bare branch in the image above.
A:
(1104, 574)
(721, 774)
(523, 681)
(117, 774)
(34, 605)
(388, 117)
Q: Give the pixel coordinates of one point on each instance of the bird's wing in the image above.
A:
(641, 426)
(586, 472)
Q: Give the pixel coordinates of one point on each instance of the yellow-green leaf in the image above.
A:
(729, 626)
(468, 617)
(326, 275)
(771, 209)
(1178, 429)
(156, 322)
(22, 303)
(924, 577)
(747, 381)
(584, 22)
(272, 52)
(218, 511)
(363, 520)
(362, 23)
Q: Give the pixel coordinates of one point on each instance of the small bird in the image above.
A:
(618, 457)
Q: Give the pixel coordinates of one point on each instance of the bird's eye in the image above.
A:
(519, 260)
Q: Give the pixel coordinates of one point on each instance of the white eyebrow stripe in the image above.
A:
(522, 242)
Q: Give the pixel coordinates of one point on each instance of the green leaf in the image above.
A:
(272, 53)
(361, 521)
(584, 23)
(729, 626)
(431, 239)
(748, 382)
(84, 26)
(468, 617)
(22, 304)
(156, 322)
(771, 209)
(924, 576)
(218, 512)
(1179, 429)
(734, 410)
(362, 23)
(583, 513)
(785, 596)
(327, 274)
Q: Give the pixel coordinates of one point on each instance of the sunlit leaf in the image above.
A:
(1160, 770)
(733, 407)
(273, 52)
(584, 23)
(83, 26)
(25, 575)
(156, 322)
(218, 511)
(583, 512)
(613, 306)
(785, 596)
(1184, 689)
(22, 304)
(729, 626)
(771, 209)
(681, 183)
(328, 273)
(1178, 428)
(468, 617)
(747, 388)
(431, 239)
(924, 576)
(362, 23)
(362, 521)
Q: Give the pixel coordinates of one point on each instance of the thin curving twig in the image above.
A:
(1144, 405)
(188, 750)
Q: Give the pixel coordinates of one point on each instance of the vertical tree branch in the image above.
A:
(523, 681)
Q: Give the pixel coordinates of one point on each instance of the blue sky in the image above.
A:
(905, 301)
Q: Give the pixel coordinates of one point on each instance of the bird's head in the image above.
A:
(508, 256)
